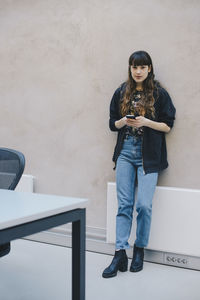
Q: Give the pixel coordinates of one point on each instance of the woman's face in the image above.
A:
(140, 73)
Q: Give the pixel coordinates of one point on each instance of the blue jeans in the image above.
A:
(129, 165)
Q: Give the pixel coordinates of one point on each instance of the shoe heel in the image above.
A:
(123, 267)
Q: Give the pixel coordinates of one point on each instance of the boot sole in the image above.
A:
(121, 269)
(136, 269)
(109, 276)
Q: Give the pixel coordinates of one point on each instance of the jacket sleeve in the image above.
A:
(114, 110)
(167, 110)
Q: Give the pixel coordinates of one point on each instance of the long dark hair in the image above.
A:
(140, 58)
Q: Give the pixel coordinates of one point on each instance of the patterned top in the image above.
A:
(136, 109)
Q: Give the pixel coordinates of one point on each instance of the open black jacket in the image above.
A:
(154, 150)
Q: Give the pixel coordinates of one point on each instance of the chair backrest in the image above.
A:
(12, 165)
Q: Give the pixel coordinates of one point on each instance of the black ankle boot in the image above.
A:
(119, 262)
(137, 261)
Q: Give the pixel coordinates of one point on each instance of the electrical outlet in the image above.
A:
(176, 260)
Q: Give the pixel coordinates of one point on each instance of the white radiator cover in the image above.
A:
(175, 220)
(26, 184)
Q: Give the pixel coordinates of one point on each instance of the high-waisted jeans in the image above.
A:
(129, 166)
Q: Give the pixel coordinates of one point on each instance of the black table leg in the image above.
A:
(78, 257)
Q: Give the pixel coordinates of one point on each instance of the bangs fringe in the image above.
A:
(140, 58)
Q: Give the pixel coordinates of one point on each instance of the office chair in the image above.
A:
(12, 165)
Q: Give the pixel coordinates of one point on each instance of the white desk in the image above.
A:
(23, 214)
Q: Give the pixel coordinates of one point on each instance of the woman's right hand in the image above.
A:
(121, 123)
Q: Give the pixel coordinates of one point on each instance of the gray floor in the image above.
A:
(36, 271)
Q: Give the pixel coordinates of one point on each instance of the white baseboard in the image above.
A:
(96, 242)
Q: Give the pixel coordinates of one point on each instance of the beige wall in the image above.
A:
(60, 62)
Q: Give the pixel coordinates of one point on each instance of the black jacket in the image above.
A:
(154, 149)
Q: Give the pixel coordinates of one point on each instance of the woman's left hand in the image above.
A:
(137, 122)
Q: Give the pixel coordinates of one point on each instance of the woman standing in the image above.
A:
(142, 112)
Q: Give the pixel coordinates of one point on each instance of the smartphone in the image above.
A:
(130, 116)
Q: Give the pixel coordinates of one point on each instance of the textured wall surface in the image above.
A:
(60, 62)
